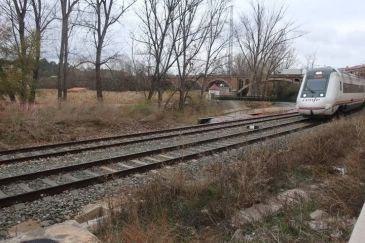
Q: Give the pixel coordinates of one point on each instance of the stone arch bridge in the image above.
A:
(235, 83)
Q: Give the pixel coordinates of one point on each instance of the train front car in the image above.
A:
(317, 94)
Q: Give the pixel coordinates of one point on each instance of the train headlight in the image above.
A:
(328, 106)
(321, 95)
(305, 95)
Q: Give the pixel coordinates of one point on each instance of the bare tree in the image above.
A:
(8, 73)
(141, 71)
(27, 36)
(105, 13)
(289, 59)
(266, 37)
(191, 29)
(15, 11)
(157, 19)
(215, 42)
(43, 13)
(67, 7)
(311, 60)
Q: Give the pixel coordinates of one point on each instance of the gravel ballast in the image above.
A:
(7, 170)
(54, 209)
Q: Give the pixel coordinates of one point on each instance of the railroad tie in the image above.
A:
(209, 146)
(166, 156)
(49, 182)
(138, 162)
(108, 169)
(153, 159)
(196, 149)
(225, 144)
(70, 177)
(124, 165)
(175, 154)
(3, 195)
(91, 173)
(25, 187)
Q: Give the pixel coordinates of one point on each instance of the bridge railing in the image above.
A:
(254, 98)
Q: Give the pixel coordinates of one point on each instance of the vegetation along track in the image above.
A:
(44, 151)
(31, 186)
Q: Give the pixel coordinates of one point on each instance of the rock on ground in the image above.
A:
(67, 232)
(257, 212)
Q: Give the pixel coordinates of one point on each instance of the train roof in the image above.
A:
(340, 71)
(322, 69)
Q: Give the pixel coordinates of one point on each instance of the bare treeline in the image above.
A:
(29, 19)
(184, 39)
(264, 39)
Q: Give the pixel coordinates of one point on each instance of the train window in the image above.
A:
(315, 83)
(341, 85)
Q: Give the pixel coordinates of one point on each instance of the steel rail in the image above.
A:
(33, 195)
(130, 135)
(123, 143)
(68, 168)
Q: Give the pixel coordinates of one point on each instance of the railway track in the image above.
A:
(34, 185)
(45, 151)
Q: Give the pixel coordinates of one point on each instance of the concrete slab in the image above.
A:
(257, 212)
(92, 211)
(67, 232)
(23, 227)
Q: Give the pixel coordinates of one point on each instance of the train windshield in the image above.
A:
(315, 84)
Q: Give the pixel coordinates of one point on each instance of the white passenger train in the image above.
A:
(325, 91)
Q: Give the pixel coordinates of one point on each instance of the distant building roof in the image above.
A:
(214, 87)
(356, 67)
(357, 70)
(292, 71)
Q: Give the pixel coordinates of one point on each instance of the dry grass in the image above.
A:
(82, 117)
(312, 159)
(182, 207)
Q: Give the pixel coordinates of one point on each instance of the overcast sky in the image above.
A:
(334, 30)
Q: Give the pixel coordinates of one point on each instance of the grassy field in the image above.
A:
(181, 207)
(82, 117)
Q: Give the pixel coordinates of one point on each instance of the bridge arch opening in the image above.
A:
(219, 83)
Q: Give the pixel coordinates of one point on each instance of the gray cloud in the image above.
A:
(335, 29)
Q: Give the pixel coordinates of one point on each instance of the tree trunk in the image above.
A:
(23, 93)
(181, 100)
(65, 65)
(99, 88)
(12, 97)
(37, 57)
(60, 79)
(151, 92)
(159, 98)
(99, 91)
(150, 95)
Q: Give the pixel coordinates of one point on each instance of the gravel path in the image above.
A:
(54, 209)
